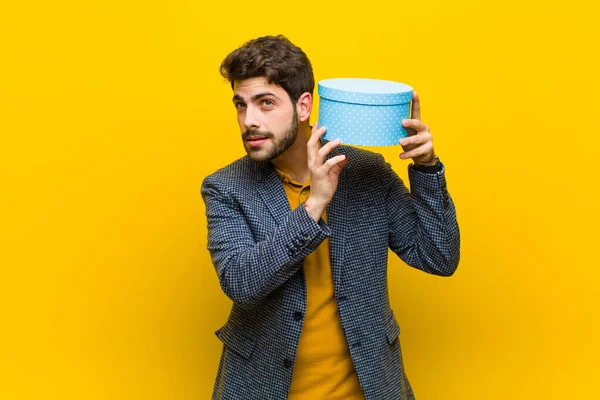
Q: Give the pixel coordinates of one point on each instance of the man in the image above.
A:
(299, 231)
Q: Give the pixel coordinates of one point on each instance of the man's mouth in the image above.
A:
(255, 140)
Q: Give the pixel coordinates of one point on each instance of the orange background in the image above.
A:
(111, 114)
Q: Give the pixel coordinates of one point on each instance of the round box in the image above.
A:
(364, 112)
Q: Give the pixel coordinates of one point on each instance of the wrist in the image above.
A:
(314, 208)
(427, 163)
(428, 169)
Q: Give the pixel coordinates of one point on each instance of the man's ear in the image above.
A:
(304, 106)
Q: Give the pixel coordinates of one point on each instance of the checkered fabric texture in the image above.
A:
(258, 245)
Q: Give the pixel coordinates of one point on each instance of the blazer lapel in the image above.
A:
(271, 191)
(336, 219)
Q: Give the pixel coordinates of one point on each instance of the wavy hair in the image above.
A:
(275, 58)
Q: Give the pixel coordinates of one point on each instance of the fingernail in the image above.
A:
(402, 156)
(403, 142)
(404, 122)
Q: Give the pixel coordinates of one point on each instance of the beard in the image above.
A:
(277, 145)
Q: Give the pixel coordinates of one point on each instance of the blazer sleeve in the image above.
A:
(423, 230)
(249, 270)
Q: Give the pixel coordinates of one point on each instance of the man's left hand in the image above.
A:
(419, 143)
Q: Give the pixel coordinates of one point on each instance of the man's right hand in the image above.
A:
(323, 175)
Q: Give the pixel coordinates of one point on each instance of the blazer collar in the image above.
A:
(270, 189)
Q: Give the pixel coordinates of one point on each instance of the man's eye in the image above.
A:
(239, 105)
(268, 103)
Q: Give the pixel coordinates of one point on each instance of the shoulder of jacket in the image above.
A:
(237, 170)
(362, 157)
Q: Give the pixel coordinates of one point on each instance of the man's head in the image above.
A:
(273, 84)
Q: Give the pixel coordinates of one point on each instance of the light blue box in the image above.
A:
(364, 112)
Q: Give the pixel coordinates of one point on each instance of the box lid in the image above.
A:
(365, 91)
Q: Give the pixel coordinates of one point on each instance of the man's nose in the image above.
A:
(250, 119)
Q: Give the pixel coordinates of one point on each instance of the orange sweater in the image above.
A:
(323, 368)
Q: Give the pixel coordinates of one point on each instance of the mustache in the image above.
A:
(255, 132)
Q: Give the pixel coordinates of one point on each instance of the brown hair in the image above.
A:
(275, 58)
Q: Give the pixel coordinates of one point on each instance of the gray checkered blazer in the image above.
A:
(258, 244)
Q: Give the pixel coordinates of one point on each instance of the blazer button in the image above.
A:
(287, 363)
(297, 315)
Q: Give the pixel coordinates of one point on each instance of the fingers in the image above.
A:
(415, 124)
(422, 150)
(421, 138)
(323, 151)
(420, 142)
(316, 134)
(316, 155)
(312, 146)
(337, 161)
(416, 106)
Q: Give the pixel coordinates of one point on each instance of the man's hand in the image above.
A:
(419, 143)
(323, 175)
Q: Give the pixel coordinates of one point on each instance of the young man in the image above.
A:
(299, 231)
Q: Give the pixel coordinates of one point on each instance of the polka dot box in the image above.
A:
(364, 112)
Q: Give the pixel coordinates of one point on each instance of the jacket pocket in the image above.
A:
(392, 329)
(237, 340)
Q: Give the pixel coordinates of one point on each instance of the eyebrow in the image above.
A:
(255, 97)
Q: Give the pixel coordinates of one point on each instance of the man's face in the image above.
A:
(268, 119)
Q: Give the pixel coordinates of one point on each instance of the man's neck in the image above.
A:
(294, 161)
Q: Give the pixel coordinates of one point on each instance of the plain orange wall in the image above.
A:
(112, 112)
